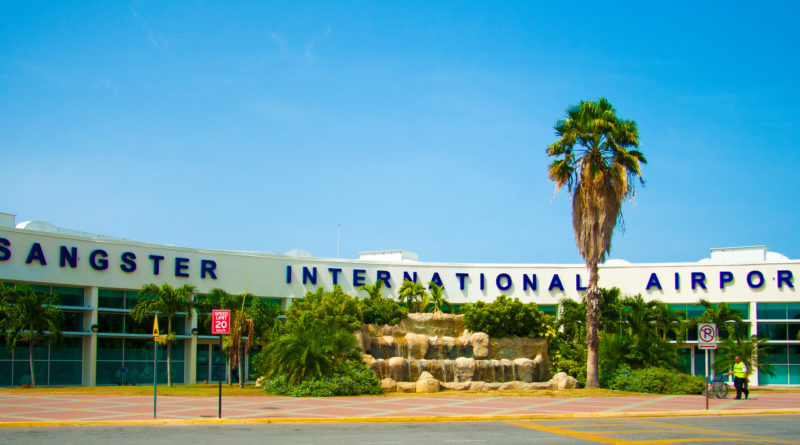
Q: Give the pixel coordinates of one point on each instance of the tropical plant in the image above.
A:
(723, 316)
(308, 352)
(378, 310)
(28, 317)
(253, 321)
(373, 290)
(319, 308)
(505, 317)
(168, 302)
(594, 159)
(753, 351)
(413, 295)
(437, 301)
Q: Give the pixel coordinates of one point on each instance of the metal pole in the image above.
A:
(155, 375)
(707, 387)
(221, 370)
(339, 241)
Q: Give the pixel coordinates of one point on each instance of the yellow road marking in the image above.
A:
(603, 436)
(570, 433)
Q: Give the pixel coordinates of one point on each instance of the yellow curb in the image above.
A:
(406, 419)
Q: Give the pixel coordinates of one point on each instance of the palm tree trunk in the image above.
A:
(592, 326)
(239, 364)
(30, 358)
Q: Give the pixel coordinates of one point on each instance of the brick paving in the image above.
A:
(16, 408)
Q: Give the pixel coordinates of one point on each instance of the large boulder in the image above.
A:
(398, 368)
(516, 347)
(432, 324)
(406, 387)
(523, 368)
(507, 386)
(541, 385)
(465, 369)
(564, 381)
(417, 345)
(388, 385)
(480, 345)
(427, 384)
(456, 386)
(491, 385)
(476, 386)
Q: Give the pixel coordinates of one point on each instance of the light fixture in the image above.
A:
(94, 328)
(194, 331)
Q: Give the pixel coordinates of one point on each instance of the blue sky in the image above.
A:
(415, 125)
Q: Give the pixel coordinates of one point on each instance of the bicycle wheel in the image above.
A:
(722, 390)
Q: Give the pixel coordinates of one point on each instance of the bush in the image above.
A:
(382, 311)
(505, 317)
(655, 381)
(303, 354)
(351, 379)
(325, 308)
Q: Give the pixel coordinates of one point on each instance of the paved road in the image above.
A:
(728, 429)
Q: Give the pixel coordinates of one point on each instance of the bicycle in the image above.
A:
(718, 388)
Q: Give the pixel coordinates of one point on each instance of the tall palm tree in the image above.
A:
(414, 295)
(29, 317)
(437, 297)
(594, 159)
(166, 301)
(373, 290)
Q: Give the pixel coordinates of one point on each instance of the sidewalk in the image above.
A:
(18, 410)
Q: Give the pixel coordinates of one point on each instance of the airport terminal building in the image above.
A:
(97, 279)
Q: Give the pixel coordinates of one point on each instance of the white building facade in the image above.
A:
(97, 279)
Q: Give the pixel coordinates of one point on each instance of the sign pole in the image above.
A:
(221, 370)
(155, 362)
(221, 325)
(707, 388)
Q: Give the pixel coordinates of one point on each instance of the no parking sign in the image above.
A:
(707, 336)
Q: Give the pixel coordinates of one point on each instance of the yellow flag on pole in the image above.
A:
(155, 328)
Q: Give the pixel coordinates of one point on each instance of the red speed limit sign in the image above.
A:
(220, 322)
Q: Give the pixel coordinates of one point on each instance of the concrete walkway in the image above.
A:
(17, 410)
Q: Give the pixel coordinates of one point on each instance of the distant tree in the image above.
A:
(373, 290)
(28, 317)
(595, 160)
(414, 295)
(319, 308)
(166, 301)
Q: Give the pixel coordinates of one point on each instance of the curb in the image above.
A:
(408, 419)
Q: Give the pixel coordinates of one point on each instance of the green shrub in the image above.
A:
(319, 308)
(505, 317)
(303, 354)
(382, 311)
(655, 381)
(351, 379)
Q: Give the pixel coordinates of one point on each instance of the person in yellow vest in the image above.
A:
(740, 379)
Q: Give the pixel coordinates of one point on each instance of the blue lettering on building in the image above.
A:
(181, 266)
(407, 277)
(529, 282)
(335, 271)
(461, 280)
(785, 276)
(698, 279)
(36, 254)
(653, 282)
(309, 275)
(437, 279)
(503, 281)
(725, 278)
(128, 262)
(555, 283)
(100, 263)
(68, 256)
(385, 276)
(359, 277)
(755, 274)
(5, 252)
(578, 285)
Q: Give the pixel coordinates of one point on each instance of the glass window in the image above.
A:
(72, 321)
(132, 298)
(771, 311)
(793, 312)
(779, 354)
(142, 350)
(549, 309)
(794, 355)
(22, 372)
(794, 332)
(69, 296)
(794, 374)
(5, 372)
(110, 322)
(143, 327)
(114, 299)
(742, 308)
(694, 310)
(65, 373)
(109, 373)
(71, 348)
(773, 331)
(109, 349)
(781, 376)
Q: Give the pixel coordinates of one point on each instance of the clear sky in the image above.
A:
(415, 125)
